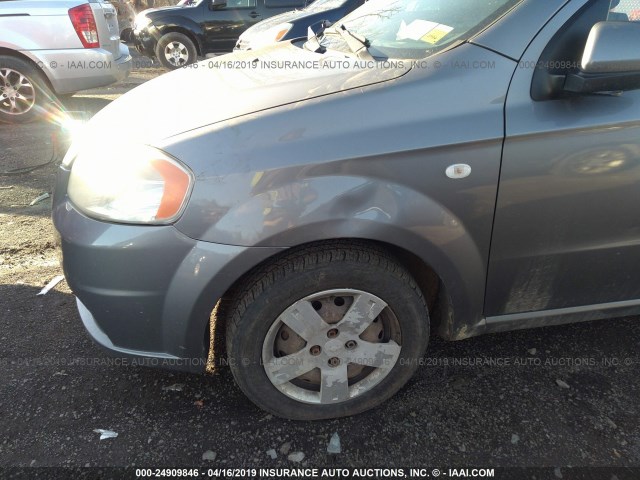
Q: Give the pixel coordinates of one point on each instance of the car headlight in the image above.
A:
(272, 35)
(280, 31)
(141, 21)
(135, 184)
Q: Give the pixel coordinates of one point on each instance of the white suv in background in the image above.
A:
(56, 47)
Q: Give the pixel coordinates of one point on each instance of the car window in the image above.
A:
(284, 3)
(417, 28)
(241, 3)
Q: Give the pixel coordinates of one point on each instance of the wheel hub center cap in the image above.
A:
(333, 346)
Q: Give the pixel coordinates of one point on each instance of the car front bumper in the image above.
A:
(73, 70)
(146, 291)
(145, 40)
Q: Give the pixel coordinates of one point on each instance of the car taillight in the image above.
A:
(85, 24)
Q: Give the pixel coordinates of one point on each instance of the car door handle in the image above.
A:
(254, 14)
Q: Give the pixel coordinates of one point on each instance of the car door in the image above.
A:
(222, 25)
(566, 235)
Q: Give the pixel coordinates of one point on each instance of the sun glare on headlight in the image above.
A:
(138, 184)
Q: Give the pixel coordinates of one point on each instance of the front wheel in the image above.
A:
(175, 50)
(326, 332)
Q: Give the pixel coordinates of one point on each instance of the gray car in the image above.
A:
(56, 47)
(310, 213)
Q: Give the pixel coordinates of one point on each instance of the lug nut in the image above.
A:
(333, 333)
(315, 350)
(334, 361)
(351, 344)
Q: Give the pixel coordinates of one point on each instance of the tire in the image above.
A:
(175, 50)
(378, 355)
(24, 96)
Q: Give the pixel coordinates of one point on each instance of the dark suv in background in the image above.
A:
(178, 35)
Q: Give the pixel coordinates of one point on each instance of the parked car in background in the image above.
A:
(465, 167)
(56, 47)
(178, 35)
(295, 24)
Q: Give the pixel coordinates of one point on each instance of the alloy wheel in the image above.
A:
(332, 346)
(17, 93)
(176, 54)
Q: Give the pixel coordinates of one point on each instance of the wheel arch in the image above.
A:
(31, 60)
(434, 287)
(187, 30)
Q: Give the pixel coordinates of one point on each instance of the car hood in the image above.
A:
(202, 94)
(163, 10)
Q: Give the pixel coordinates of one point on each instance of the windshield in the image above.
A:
(320, 5)
(416, 28)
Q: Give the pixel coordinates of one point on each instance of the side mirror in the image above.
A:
(611, 60)
(217, 4)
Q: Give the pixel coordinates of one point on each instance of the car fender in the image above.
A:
(356, 165)
(12, 50)
(367, 209)
(181, 25)
(305, 210)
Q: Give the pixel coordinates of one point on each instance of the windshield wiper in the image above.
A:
(313, 43)
(357, 43)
